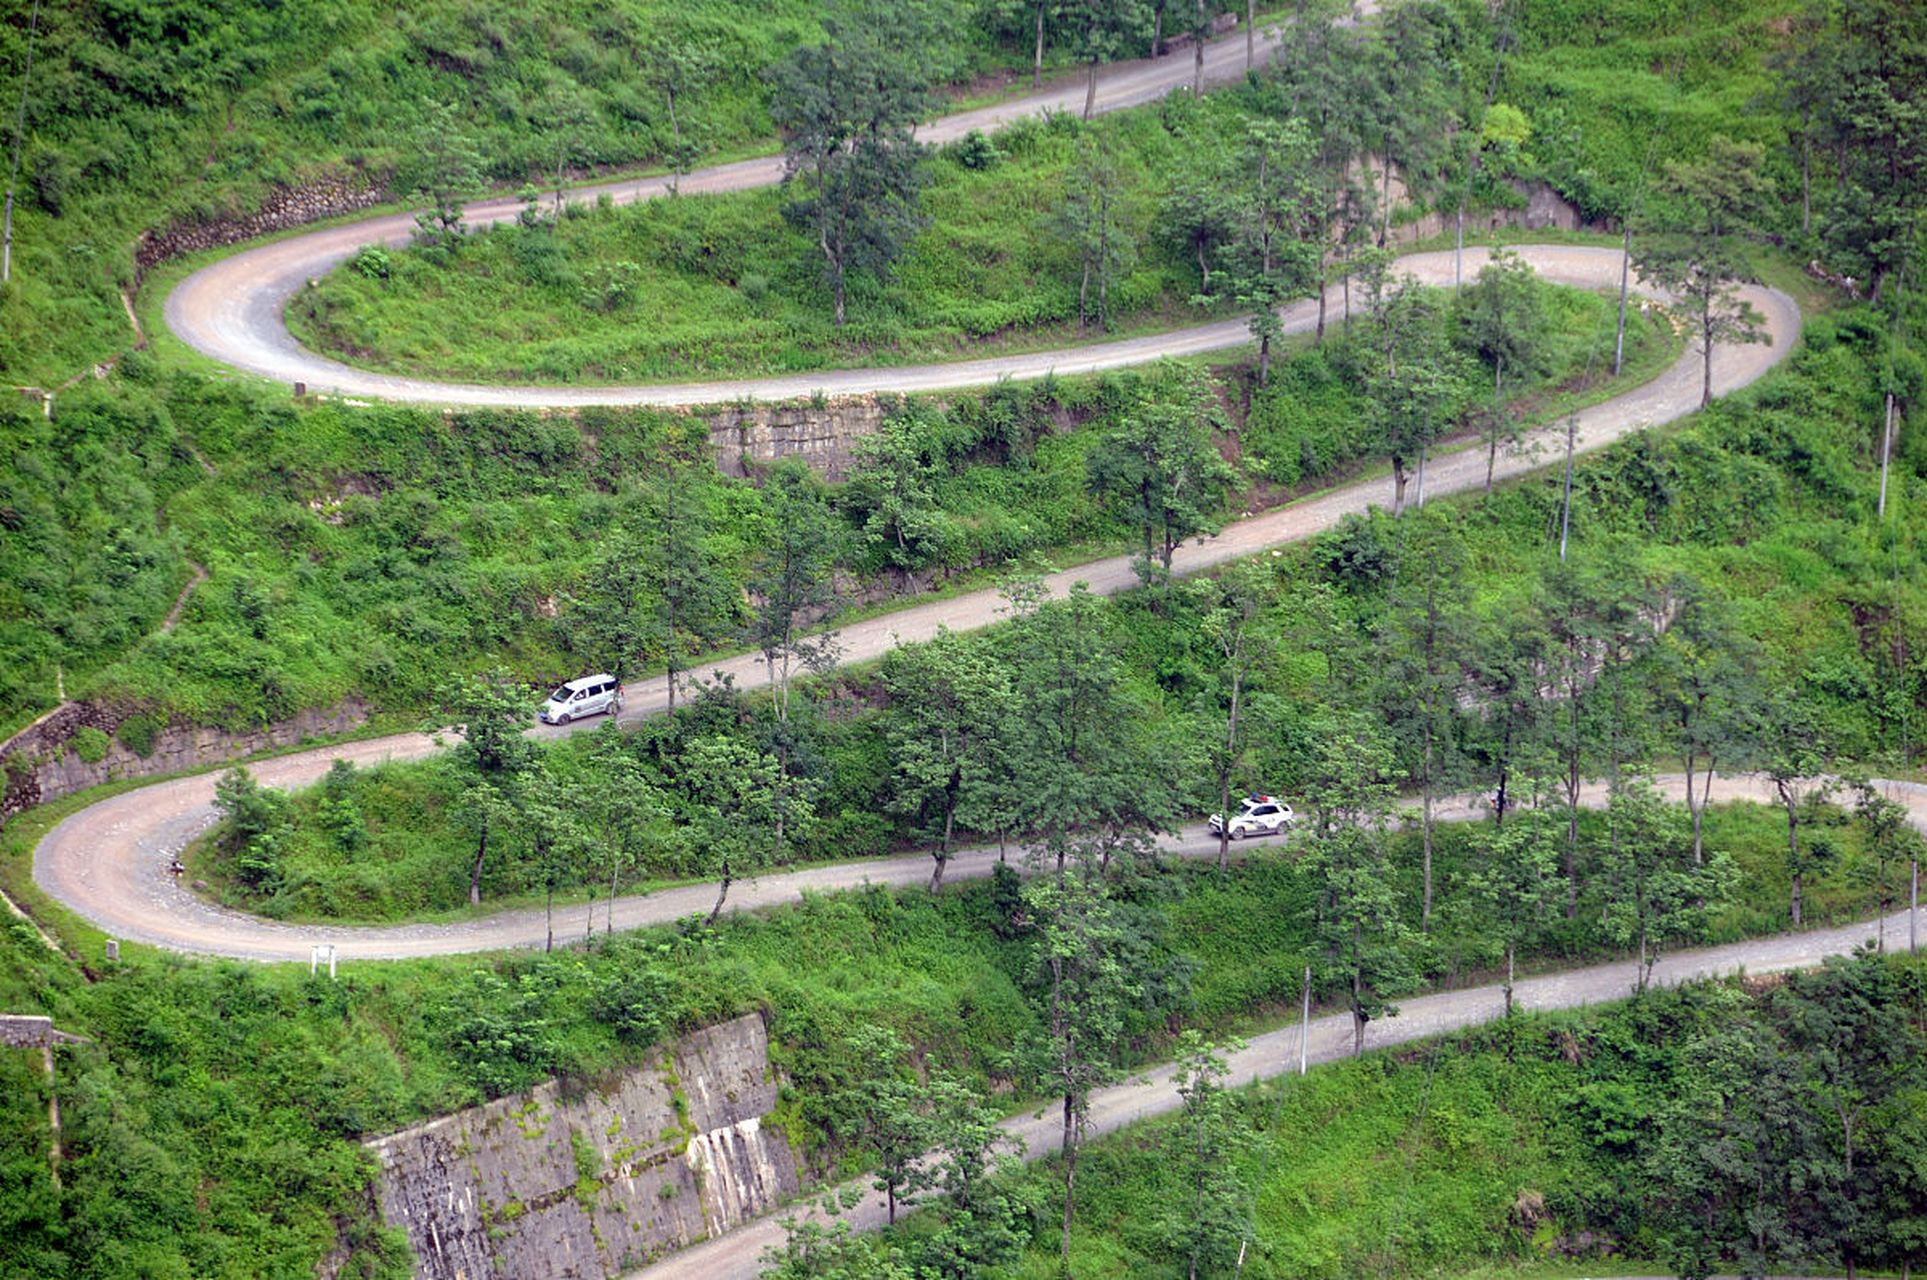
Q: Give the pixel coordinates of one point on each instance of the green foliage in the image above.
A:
(90, 744)
(1648, 1130)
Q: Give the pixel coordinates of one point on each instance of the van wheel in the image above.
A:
(565, 717)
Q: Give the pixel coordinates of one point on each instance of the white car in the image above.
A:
(1261, 816)
(588, 696)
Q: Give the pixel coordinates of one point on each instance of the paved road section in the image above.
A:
(233, 309)
(106, 862)
(737, 1255)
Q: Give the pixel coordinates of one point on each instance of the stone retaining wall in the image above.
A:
(40, 763)
(326, 196)
(550, 1186)
(821, 433)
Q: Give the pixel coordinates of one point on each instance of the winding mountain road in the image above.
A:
(232, 309)
(108, 862)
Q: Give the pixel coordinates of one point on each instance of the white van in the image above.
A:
(587, 696)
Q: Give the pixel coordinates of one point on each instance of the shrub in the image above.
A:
(373, 262)
(137, 732)
(89, 743)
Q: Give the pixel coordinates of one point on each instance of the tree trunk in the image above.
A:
(1398, 485)
(1070, 1178)
(1572, 813)
(722, 891)
(1251, 34)
(1458, 249)
(1385, 213)
(1224, 777)
(1806, 181)
(615, 870)
(1425, 822)
(1693, 809)
(1157, 30)
(1796, 904)
(475, 872)
(1264, 360)
(1511, 953)
(1090, 90)
(548, 915)
(1037, 61)
(1358, 997)
(1083, 294)
(1625, 275)
(1319, 335)
(1706, 341)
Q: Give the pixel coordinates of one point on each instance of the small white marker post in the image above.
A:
(319, 952)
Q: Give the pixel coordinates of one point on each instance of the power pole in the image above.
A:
(19, 138)
(1305, 1026)
(1565, 517)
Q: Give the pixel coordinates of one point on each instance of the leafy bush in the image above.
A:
(90, 744)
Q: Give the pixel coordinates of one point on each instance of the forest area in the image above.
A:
(1505, 718)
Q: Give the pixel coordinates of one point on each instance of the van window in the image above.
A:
(561, 693)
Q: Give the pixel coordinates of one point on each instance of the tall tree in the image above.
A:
(891, 1123)
(490, 711)
(1160, 470)
(1211, 1221)
(1514, 883)
(1102, 30)
(1080, 949)
(892, 486)
(742, 808)
(1891, 843)
(1654, 892)
(680, 63)
(563, 117)
(628, 815)
(1358, 929)
(1503, 323)
(1795, 749)
(1703, 690)
(791, 578)
(1269, 258)
(1422, 670)
(683, 567)
(1423, 49)
(1092, 222)
(951, 708)
(1411, 384)
(1699, 256)
(847, 109)
(443, 168)
(1242, 643)
(1197, 211)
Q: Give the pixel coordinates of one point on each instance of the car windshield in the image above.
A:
(562, 693)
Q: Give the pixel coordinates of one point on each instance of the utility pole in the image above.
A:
(1625, 270)
(1305, 1024)
(1565, 518)
(1886, 455)
(19, 138)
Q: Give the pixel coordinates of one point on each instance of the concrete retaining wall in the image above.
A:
(548, 1186)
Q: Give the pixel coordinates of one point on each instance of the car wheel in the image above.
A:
(1237, 833)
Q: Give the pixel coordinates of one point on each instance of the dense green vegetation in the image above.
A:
(141, 116)
(722, 284)
(370, 552)
(1750, 529)
(1644, 1131)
